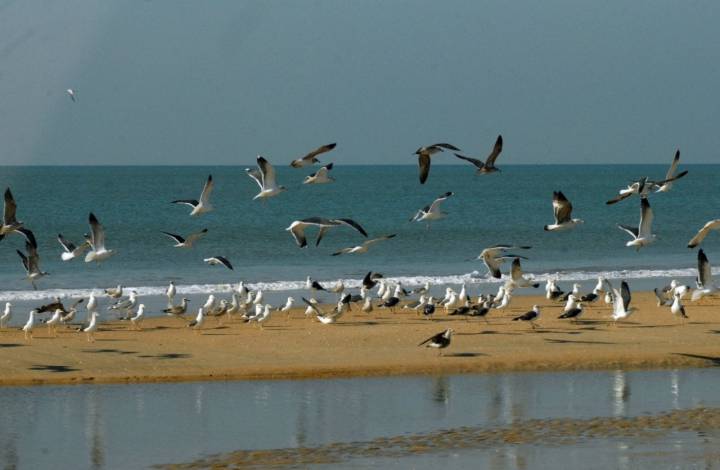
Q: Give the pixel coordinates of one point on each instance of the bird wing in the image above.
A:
(478, 163)
(497, 148)
(268, 173)
(68, 246)
(446, 146)
(189, 202)
(24, 260)
(704, 270)
(619, 198)
(668, 180)
(434, 338)
(435, 206)
(97, 232)
(177, 238)
(353, 224)
(325, 148)
(29, 236)
(673, 165)
(516, 270)
(196, 236)
(224, 262)
(562, 208)
(254, 173)
(297, 230)
(625, 294)
(424, 163)
(33, 258)
(343, 251)
(207, 189)
(631, 230)
(379, 239)
(312, 306)
(9, 209)
(646, 218)
(702, 233)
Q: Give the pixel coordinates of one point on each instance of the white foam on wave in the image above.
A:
(475, 278)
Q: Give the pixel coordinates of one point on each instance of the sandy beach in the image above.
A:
(380, 343)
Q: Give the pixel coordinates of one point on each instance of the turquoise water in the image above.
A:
(507, 207)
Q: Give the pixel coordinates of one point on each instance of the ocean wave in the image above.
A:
(472, 278)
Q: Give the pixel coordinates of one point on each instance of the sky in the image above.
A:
(173, 82)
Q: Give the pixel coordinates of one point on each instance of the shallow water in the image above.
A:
(139, 425)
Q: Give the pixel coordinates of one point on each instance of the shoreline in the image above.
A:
(378, 344)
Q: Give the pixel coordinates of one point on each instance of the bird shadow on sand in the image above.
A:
(166, 356)
(53, 368)
(574, 341)
(714, 359)
(465, 354)
(10, 345)
(108, 351)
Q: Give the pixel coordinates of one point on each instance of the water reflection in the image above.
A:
(441, 389)
(675, 388)
(621, 393)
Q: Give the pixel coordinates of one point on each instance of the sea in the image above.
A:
(507, 207)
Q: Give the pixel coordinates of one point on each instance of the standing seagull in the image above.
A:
(702, 233)
(494, 256)
(320, 176)
(91, 328)
(265, 178)
(364, 247)
(677, 308)
(219, 260)
(439, 341)
(203, 205)
(188, 242)
(297, 228)
(97, 252)
(642, 235)
(6, 315)
(487, 166)
(704, 280)
(562, 210)
(70, 250)
(31, 263)
(621, 303)
(670, 176)
(432, 212)
(530, 316)
(170, 293)
(311, 157)
(28, 328)
(424, 154)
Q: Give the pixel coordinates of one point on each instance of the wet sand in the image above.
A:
(379, 343)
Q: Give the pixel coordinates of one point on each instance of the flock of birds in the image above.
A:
(250, 306)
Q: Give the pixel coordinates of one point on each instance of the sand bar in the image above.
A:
(380, 343)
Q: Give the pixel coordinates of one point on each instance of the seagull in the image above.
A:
(28, 328)
(487, 166)
(530, 316)
(552, 291)
(188, 242)
(643, 187)
(494, 256)
(367, 304)
(670, 176)
(664, 298)
(706, 285)
(424, 154)
(218, 260)
(297, 228)
(621, 303)
(391, 303)
(53, 321)
(677, 307)
(363, 248)
(371, 280)
(702, 233)
(6, 315)
(92, 327)
(320, 176)
(177, 310)
(562, 210)
(439, 341)
(574, 313)
(429, 308)
(311, 157)
(517, 278)
(432, 212)
(258, 298)
(31, 262)
(71, 94)
(288, 305)
(70, 250)
(203, 205)
(114, 293)
(325, 318)
(209, 305)
(642, 235)
(97, 252)
(125, 304)
(265, 178)
(9, 223)
(170, 293)
(312, 285)
(198, 322)
(137, 319)
(338, 288)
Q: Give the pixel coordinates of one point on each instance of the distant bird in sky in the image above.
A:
(363, 248)
(97, 252)
(70, 251)
(188, 242)
(72, 94)
(203, 205)
(703, 232)
(432, 211)
(494, 256)
(219, 260)
(642, 234)
(562, 211)
(487, 166)
(321, 176)
(297, 228)
(311, 157)
(439, 341)
(424, 154)
(265, 177)
(31, 263)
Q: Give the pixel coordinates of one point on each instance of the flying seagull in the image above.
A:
(311, 157)
(297, 228)
(10, 224)
(702, 233)
(432, 212)
(642, 234)
(320, 176)
(97, 252)
(517, 278)
(70, 250)
(670, 176)
(424, 154)
(370, 280)
(494, 256)
(704, 280)
(71, 94)
(363, 248)
(562, 210)
(264, 176)
(439, 341)
(487, 166)
(203, 205)
(643, 187)
(621, 302)
(31, 263)
(219, 260)
(188, 242)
